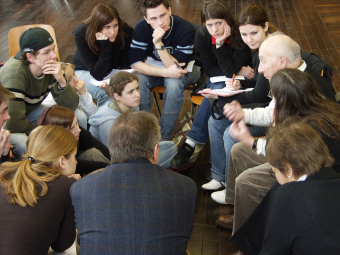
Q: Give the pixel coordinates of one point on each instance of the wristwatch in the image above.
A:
(219, 43)
(160, 48)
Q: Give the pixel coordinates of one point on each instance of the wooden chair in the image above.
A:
(160, 90)
(14, 34)
(196, 101)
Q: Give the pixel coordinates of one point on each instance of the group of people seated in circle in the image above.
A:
(68, 163)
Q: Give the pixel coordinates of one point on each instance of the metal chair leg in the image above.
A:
(157, 106)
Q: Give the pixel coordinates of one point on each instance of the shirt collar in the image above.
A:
(302, 178)
(302, 66)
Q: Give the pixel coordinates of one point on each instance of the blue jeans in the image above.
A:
(221, 143)
(173, 97)
(18, 140)
(199, 130)
(167, 150)
(96, 92)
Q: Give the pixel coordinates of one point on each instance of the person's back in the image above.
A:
(36, 209)
(312, 210)
(31, 229)
(136, 207)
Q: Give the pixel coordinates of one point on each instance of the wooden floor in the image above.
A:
(314, 24)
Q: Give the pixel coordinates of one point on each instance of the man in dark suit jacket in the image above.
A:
(134, 206)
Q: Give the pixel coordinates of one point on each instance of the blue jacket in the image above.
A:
(134, 208)
(101, 122)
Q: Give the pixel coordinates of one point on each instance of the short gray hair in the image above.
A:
(133, 135)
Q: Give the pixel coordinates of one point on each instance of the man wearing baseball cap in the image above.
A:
(31, 74)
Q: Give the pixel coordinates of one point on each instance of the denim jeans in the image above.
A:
(221, 143)
(199, 130)
(18, 140)
(167, 150)
(173, 97)
(96, 92)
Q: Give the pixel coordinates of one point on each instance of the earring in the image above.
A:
(289, 176)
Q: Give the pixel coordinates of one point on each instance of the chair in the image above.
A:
(160, 90)
(14, 34)
(196, 101)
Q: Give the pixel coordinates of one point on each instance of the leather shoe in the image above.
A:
(225, 222)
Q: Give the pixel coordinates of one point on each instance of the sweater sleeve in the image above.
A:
(207, 59)
(227, 61)
(87, 103)
(18, 123)
(87, 141)
(67, 97)
(139, 44)
(97, 65)
(281, 228)
(248, 83)
(231, 64)
(259, 116)
(124, 56)
(183, 49)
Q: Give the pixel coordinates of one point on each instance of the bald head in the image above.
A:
(278, 52)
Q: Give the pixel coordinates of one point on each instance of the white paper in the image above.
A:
(190, 66)
(225, 78)
(107, 78)
(225, 92)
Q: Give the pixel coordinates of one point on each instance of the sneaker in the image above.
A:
(182, 157)
(213, 185)
(219, 196)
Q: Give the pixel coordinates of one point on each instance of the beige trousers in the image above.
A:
(247, 183)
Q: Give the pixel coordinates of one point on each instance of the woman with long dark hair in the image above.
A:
(103, 42)
(222, 53)
(254, 28)
(36, 208)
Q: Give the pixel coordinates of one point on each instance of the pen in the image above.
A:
(179, 65)
(232, 82)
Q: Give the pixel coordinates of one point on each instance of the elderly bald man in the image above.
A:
(247, 169)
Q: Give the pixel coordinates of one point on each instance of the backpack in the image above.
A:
(318, 65)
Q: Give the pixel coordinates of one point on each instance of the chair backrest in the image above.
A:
(14, 34)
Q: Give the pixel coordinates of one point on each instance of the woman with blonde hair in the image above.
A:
(36, 209)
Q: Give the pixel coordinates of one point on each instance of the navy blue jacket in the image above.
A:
(134, 208)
